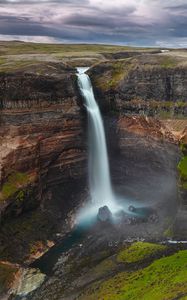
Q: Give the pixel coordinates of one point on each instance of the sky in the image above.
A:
(125, 22)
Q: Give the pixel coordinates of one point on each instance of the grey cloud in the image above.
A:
(25, 2)
(80, 21)
(181, 7)
(25, 27)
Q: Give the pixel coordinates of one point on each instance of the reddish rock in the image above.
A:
(42, 129)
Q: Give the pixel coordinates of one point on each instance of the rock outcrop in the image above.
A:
(143, 161)
(41, 129)
(42, 144)
(151, 84)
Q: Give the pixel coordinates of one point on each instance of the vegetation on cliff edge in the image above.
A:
(165, 278)
(14, 183)
(139, 251)
(182, 167)
(117, 70)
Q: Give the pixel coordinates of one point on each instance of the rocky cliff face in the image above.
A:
(143, 159)
(43, 155)
(43, 166)
(42, 146)
(145, 83)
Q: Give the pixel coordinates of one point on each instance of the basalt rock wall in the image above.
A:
(42, 135)
(150, 84)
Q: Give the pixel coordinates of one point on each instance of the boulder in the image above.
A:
(104, 214)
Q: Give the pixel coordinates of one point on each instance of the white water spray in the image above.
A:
(99, 175)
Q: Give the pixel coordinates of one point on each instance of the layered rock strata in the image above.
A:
(151, 84)
(42, 148)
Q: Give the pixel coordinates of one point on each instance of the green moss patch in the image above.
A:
(182, 167)
(183, 148)
(166, 278)
(114, 73)
(7, 275)
(138, 252)
(14, 183)
(118, 70)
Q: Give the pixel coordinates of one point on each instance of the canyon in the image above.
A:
(44, 157)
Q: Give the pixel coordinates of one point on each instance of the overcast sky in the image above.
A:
(129, 22)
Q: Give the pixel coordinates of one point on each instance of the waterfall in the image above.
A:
(99, 174)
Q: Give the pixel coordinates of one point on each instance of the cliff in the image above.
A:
(42, 153)
(152, 84)
(143, 161)
(43, 162)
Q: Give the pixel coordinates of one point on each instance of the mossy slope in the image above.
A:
(118, 70)
(139, 251)
(165, 278)
(182, 167)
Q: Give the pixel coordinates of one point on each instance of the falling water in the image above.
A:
(99, 175)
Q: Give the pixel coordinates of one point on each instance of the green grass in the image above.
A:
(165, 278)
(13, 48)
(139, 251)
(14, 55)
(8, 190)
(15, 181)
(17, 65)
(183, 147)
(182, 166)
(117, 70)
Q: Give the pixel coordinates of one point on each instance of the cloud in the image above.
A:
(138, 22)
(41, 1)
(31, 38)
(177, 42)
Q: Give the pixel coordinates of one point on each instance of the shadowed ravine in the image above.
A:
(100, 188)
(101, 192)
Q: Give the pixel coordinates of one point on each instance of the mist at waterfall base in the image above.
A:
(101, 192)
